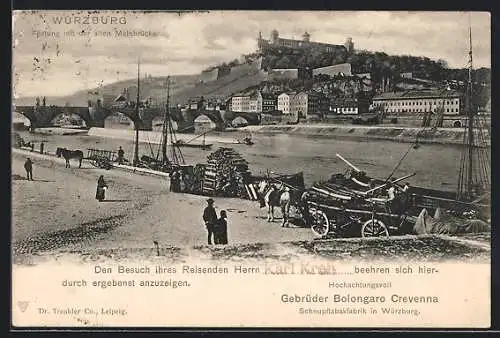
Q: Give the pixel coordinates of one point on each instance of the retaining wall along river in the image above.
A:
(389, 133)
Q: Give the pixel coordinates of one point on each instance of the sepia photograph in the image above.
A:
(235, 169)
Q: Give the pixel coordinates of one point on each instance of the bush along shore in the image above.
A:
(389, 133)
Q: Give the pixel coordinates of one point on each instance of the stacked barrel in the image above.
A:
(225, 174)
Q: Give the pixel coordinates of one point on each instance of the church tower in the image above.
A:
(349, 45)
(260, 42)
(306, 37)
(275, 37)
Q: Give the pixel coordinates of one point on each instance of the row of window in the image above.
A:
(415, 103)
(421, 110)
(347, 109)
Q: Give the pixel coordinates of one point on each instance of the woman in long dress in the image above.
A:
(100, 194)
(220, 229)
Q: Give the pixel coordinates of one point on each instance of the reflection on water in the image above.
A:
(435, 165)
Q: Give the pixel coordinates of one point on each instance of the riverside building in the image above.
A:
(420, 101)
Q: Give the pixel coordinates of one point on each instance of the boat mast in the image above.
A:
(473, 173)
(470, 113)
(165, 126)
(136, 122)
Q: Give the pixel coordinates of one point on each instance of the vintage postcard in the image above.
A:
(246, 169)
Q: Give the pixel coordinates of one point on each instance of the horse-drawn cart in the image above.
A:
(101, 158)
(341, 207)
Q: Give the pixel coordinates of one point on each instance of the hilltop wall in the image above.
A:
(240, 78)
(344, 68)
(283, 74)
(209, 75)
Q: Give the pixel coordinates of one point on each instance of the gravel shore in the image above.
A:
(57, 217)
(59, 210)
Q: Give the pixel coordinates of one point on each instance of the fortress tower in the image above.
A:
(306, 37)
(349, 45)
(275, 37)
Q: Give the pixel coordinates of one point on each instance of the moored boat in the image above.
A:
(204, 146)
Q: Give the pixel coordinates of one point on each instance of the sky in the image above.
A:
(53, 57)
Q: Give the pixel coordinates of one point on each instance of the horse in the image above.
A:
(69, 154)
(274, 195)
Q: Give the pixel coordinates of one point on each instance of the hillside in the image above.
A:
(182, 87)
(240, 78)
(150, 87)
(235, 77)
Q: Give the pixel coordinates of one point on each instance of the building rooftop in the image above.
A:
(343, 101)
(411, 94)
(120, 98)
(269, 96)
(285, 70)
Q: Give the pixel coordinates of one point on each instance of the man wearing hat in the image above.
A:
(28, 166)
(210, 217)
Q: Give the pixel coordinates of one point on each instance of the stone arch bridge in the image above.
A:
(94, 116)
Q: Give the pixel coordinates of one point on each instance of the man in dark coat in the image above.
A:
(100, 194)
(121, 153)
(28, 166)
(210, 217)
(175, 181)
(220, 229)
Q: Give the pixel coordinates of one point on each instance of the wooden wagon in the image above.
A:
(101, 158)
(342, 207)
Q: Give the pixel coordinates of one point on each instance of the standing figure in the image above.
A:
(220, 229)
(182, 182)
(175, 181)
(391, 193)
(42, 145)
(121, 153)
(100, 194)
(210, 217)
(285, 206)
(28, 166)
(304, 207)
(406, 187)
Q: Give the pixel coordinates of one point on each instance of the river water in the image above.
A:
(436, 166)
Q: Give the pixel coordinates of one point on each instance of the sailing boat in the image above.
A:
(475, 163)
(135, 162)
(170, 156)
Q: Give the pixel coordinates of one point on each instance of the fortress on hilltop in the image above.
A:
(276, 41)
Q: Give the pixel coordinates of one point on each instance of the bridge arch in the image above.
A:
(65, 118)
(214, 115)
(204, 123)
(20, 121)
(51, 113)
(239, 121)
(28, 113)
(118, 120)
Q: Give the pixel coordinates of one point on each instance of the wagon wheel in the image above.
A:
(374, 228)
(104, 164)
(320, 224)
